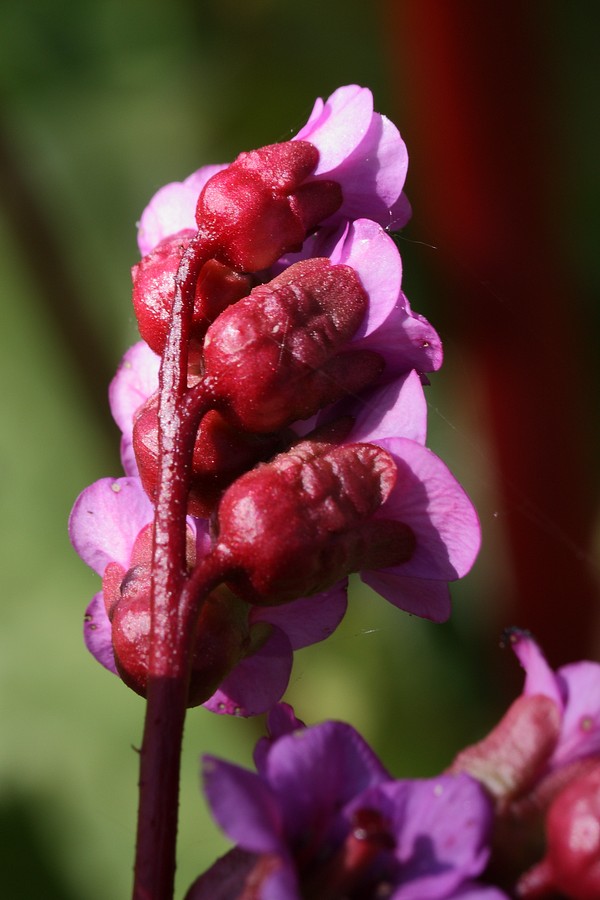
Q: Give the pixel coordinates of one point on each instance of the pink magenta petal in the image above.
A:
(244, 806)
(362, 151)
(539, 677)
(580, 733)
(307, 620)
(400, 213)
(106, 519)
(428, 498)
(257, 682)
(172, 209)
(397, 409)
(136, 380)
(338, 126)
(374, 256)
(97, 633)
(373, 175)
(417, 596)
(406, 341)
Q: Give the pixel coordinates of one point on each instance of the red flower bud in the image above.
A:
(295, 526)
(221, 454)
(274, 357)
(257, 208)
(572, 862)
(154, 286)
(223, 635)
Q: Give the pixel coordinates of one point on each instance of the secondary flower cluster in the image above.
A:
(278, 389)
(322, 818)
(541, 766)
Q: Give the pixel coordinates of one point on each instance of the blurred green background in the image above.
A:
(102, 103)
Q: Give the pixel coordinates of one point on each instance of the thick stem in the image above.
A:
(170, 648)
(176, 441)
(161, 753)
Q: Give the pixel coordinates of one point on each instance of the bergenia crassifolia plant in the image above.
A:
(273, 425)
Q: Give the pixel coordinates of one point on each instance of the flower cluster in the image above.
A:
(322, 818)
(273, 420)
(541, 766)
(273, 423)
(518, 812)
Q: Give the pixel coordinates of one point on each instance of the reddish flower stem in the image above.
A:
(176, 441)
(161, 752)
(173, 612)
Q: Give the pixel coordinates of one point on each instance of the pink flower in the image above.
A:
(358, 148)
(368, 500)
(105, 524)
(173, 208)
(549, 734)
(575, 690)
(363, 151)
(426, 497)
(537, 764)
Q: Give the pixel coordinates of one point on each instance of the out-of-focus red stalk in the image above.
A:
(486, 178)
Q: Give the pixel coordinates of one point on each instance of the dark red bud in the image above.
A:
(510, 759)
(115, 575)
(131, 628)
(295, 526)
(572, 863)
(221, 454)
(249, 209)
(222, 637)
(154, 285)
(275, 357)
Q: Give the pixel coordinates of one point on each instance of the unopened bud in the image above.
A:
(257, 209)
(571, 866)
(282, 353)
(297, 525)
(218, 286)
(221, 454)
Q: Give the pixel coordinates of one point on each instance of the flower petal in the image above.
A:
(373, 176)
(173, 208)
(281, 719)
(97, 633)
(136, 380)
(580, 734)
(257, 682)
(475, 891)
(338, 126)
(406, 341)
(308, 620)
(374, 256)
(244, 806)
(428, 498)
(442, 833)
(315, 771)
(417, 596)
(539, 677)
(106, 519)
(362, 151)
(226, 877)
(397, 409)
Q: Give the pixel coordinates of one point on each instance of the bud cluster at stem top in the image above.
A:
(273, 285)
